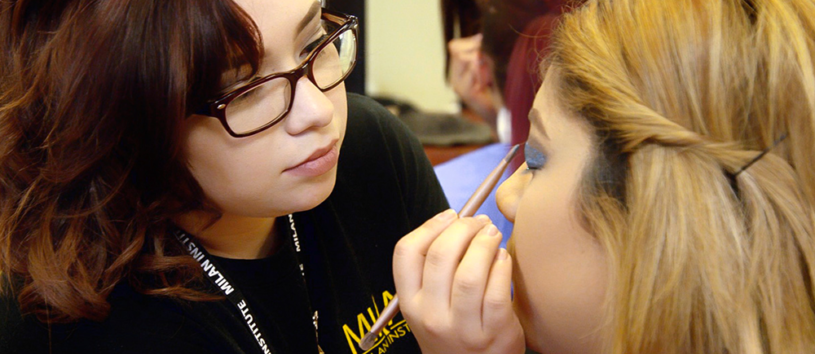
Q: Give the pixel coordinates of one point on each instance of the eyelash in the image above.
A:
(313, 45)
(535, 159)
(306, 51)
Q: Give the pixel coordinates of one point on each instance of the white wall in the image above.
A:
(405, 53)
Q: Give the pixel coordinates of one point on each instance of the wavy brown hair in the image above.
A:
(706, 254)
(92, 94)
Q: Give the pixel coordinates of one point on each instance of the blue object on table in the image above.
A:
(460, 177)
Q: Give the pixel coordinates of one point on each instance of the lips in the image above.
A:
(319, 162)
(318, 154)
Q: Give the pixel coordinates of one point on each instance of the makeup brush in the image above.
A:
(469, 208)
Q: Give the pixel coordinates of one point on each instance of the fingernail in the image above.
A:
(483, 217)
(446, 215)
(492, 230)
(502, 254)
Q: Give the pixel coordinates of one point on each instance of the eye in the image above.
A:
(313, 45)
(248, 94)
(245, 95)
(534, 158)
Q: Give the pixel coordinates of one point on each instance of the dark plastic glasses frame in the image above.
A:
(217, 108)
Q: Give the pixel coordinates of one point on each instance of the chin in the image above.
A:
(315, 193)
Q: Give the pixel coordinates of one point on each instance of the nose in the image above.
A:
(509, 193)
(311, 107)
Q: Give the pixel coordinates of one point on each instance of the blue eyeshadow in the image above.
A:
(534, 158)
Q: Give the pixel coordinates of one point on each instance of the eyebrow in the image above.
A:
(536, 119)
(312, 12)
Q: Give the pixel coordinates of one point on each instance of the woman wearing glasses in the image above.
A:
(667, 200)
(191, 177)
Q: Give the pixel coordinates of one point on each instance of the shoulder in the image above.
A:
(375, 135)
(367, 120)
(18, 333)
(137, 324)
(360, 106)
(364, 105)
(380, 149)
(382, 159)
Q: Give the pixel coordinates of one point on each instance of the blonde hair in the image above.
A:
(683, 94)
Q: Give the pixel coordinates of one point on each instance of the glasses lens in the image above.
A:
(333, 63)
(259, 106)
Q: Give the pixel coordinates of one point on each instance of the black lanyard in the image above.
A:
(225, 285)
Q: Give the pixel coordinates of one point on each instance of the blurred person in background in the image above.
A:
(494, 49)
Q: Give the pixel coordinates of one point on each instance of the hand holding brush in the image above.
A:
(454, 283)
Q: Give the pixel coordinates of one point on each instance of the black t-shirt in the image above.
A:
(385, 188)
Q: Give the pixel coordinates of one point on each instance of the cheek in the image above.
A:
(339, 99)
(560, 275)
(235, 174)
(229, 183)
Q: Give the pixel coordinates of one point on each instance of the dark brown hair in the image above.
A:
(92, 94)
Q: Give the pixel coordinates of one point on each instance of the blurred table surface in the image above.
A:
(441, 154)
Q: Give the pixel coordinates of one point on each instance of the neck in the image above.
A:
(232, 236)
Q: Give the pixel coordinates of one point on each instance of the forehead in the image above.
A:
(280, 18)
(547, 97)
(551, 121)
(546, 113)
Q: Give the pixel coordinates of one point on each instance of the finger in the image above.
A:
(458, 71)
(443, 258)
(476, 81)
(477, 38)
(459, 65)
(464, 44)
(497, 307)
(464, 72)
(409, 253)
(471, 277)
(484, 69)
(468, 81)
(454, 46)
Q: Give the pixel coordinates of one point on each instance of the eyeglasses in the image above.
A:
(265, 101)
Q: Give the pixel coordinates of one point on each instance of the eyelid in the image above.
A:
(319, 29)
(535, 159)
(314, 40)
(311, 46)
